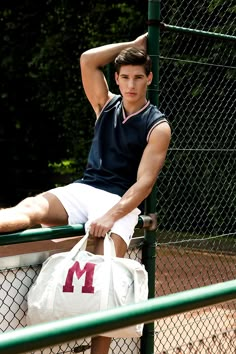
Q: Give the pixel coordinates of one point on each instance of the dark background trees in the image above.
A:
(46, 121)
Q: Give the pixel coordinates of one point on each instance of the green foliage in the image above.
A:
(64, 167)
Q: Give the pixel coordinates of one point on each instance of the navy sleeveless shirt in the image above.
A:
(118, 145)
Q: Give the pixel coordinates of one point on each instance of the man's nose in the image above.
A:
(131, 83)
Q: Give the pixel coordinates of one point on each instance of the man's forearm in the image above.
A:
(130, 200)
(105, 54)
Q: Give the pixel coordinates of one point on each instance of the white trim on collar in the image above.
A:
(133, 114)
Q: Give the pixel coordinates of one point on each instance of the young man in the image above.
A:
(127, 153)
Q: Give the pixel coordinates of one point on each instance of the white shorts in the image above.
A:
(84, 204)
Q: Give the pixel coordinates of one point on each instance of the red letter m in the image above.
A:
(88, 286)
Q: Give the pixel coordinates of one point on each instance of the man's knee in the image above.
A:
(120, 245)
(33, 207)
(29, 204)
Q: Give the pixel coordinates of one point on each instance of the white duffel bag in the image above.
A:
(79, 282)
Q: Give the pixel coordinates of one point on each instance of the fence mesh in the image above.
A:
(206, 15)
(196, 197)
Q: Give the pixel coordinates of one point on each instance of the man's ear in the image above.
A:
(149, 78)
(117, 78)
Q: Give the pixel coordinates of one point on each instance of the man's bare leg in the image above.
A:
(44, 208)
(101, 345)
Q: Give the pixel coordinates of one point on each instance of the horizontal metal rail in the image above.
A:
(195, 32)
(40, 234)
(49, 334)
(47, 233)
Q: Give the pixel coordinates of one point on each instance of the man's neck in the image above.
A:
(133, 108)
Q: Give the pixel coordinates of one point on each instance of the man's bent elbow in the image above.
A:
(84, 58)
(148, 189)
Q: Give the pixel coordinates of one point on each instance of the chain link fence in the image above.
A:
(207, 15)
(196, 197)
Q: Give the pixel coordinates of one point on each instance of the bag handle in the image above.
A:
(80, 246)
(109, 253)
(109, 247)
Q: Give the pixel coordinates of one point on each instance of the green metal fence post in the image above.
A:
(149, 248)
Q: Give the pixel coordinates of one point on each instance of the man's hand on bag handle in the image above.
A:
(99, 227)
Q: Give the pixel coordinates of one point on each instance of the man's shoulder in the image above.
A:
(154, 118)
(152, 113)
(155, 110)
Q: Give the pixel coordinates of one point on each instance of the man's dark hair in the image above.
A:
(133, 56)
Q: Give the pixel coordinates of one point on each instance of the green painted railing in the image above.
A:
(48, 334)
(40, 234)
(47, 233)
(195, 32)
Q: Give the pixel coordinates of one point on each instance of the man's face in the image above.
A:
(132, 81)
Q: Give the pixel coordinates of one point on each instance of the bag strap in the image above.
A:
(109, 253)
(109, 247)
(80, 246)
